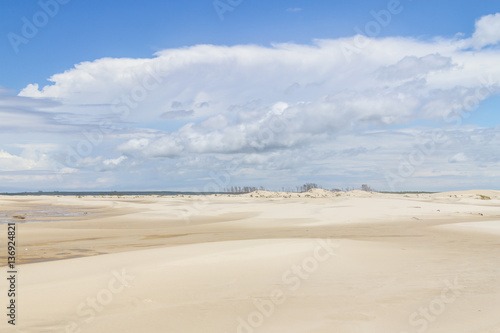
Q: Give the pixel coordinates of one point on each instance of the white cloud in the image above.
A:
(457, 158)
(9, 162)
(487, 31)
(283, 107)
(114, 162)
(245, 81)
(411, 67)
(134, 145)
(28, 158)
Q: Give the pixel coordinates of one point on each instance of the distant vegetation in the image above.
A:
(243, 189)
(308, 186)
(366, 188)
(484, 197)
(297, 189)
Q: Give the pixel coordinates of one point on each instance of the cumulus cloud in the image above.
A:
(391, 82)
(9, 162)
(115, 161)
(111, 164)
(203, 105)
(487, 31)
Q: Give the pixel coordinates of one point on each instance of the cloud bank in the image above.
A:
(280, 109)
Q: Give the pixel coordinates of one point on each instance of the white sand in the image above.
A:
(488, 227)
(354, 262)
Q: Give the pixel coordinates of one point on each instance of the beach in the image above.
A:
(265, 262)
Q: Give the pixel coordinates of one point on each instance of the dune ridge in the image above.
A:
(260, 262)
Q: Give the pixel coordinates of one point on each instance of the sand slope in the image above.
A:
(355, 262)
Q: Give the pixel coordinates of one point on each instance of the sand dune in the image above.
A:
(262, 262)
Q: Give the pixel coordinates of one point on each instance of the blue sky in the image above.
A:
(354, 117)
